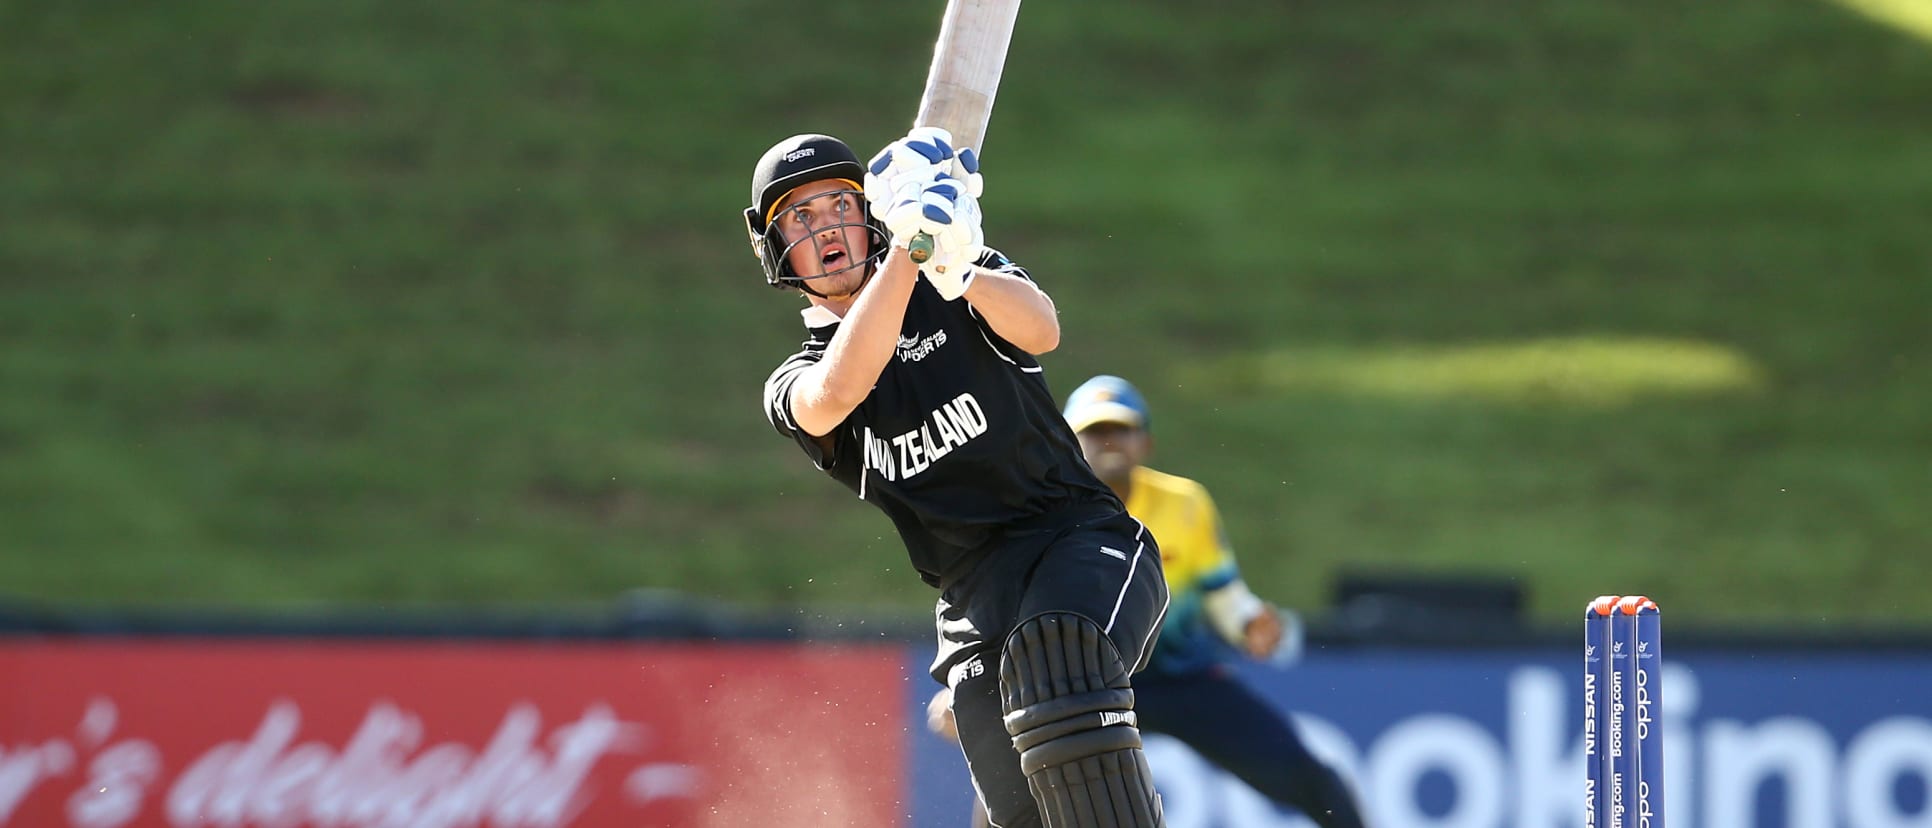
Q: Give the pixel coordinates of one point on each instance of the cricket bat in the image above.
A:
(965, 75)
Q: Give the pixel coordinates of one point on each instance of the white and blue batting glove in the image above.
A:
(944, 210)
(966, 169)
(909, 162)
(955, 250)
(915, 160)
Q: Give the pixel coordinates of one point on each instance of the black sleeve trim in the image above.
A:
(778, 410)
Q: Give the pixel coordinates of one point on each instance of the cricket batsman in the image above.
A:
(919, 389)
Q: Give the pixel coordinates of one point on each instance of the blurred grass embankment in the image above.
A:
(350, 301)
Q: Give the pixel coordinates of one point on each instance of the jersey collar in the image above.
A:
(817, 316)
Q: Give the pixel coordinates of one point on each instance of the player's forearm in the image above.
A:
(1018, 310)
(858, 353)
(868, 333)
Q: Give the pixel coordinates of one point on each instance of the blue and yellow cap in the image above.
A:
(1106, 399)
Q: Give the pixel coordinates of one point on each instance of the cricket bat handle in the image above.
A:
(920, 248)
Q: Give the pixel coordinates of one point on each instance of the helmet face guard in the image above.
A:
(788, 165)
(774, 251)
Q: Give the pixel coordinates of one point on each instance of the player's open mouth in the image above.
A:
(832, 256)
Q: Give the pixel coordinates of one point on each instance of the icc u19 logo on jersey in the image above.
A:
(914, 349)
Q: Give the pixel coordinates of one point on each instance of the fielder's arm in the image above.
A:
(1255, 626)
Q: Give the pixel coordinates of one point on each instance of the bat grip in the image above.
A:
(920, 248)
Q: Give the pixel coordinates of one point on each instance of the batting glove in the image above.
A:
(943, 210)
(910, 163)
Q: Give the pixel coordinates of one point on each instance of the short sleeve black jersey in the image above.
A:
(960, 440)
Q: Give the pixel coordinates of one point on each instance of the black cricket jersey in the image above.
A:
(959, 443)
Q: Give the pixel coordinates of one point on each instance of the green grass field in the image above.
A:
(319, 302)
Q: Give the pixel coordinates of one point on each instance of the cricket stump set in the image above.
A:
(1623, 742)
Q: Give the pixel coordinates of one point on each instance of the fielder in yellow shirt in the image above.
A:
(1188, 690)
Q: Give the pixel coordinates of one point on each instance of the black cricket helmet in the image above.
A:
(796, 161)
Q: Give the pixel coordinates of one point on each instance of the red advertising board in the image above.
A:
(362, 734)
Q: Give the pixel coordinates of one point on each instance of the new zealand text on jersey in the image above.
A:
(948, 427)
